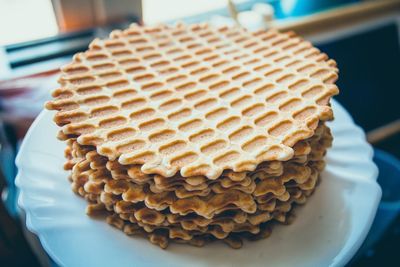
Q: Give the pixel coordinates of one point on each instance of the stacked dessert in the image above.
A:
(194, 133)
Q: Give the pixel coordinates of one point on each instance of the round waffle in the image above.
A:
(195, 99)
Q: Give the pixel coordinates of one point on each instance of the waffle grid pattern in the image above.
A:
(195, 99)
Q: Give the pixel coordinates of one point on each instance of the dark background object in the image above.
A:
(381, 250)
(52, 52)
(369, 65)
(14, 250)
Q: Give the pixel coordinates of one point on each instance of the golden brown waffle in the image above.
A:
(140, 214)
(199, 185)
(226, 181)
(195, 99)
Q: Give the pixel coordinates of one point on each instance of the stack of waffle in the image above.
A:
(193, 133)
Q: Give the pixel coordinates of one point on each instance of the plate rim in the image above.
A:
(368, 181)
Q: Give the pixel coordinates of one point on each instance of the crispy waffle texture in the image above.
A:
(192, 133)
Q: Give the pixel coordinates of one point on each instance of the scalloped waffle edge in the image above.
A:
(195, 99)
(152, 222)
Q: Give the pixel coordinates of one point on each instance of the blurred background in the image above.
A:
(39, 36)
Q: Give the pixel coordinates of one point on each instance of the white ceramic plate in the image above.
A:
(328, 230)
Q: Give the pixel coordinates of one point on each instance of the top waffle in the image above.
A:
(195, 99)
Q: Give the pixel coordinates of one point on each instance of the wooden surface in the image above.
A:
(384, 132)
(340, 17)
